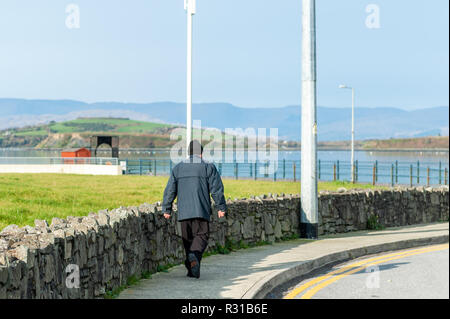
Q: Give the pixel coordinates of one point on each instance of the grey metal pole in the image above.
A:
(376, 170)
(352, 160)
(190, 7)
(294, 169)
(396, 172)
(374, 174)
(411, 175)
(338, 176)
(392, 175)
(418, 172)
(353, 137)
(309, 227)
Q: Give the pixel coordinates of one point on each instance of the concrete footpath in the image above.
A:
(252, 273)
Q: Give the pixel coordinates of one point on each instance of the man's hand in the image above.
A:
(221, 214)
(166, 216)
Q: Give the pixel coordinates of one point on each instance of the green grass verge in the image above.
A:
(133, 280)
(32, 133)
(110, 125)
(26, 197)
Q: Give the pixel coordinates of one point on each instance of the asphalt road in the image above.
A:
(420, 273)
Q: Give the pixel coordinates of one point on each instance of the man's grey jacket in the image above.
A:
(192, 181)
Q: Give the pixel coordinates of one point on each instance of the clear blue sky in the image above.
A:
(247, 52)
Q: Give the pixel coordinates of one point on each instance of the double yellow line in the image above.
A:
(334, 276)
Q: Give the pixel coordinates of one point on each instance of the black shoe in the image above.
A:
(194, 265)
(187, 264)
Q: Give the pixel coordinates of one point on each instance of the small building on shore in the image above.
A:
(76, 152)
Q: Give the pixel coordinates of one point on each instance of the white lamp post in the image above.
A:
(190, 7)
(353, 131)
(309, 201)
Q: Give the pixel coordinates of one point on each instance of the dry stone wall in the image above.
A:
(84, 257)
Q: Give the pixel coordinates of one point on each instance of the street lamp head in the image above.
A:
(342, 86)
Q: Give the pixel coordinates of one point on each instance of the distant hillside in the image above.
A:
(418, 143)
(140, 134)
(333, 123)
(76, 133)
(98, 124)
(409, 143)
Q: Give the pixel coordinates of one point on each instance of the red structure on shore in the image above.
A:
(74, 152)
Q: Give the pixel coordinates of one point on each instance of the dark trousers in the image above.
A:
(195, 235)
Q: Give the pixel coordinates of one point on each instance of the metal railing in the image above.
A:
(58, 160)
(386, 173)
(376, 172)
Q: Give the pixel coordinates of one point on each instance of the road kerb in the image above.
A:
(278, 277)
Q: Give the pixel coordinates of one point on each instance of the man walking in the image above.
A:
(192, 181)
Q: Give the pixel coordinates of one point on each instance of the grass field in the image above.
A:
(26, 197)
(95, 125)
(114, 125)
(32, 133)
